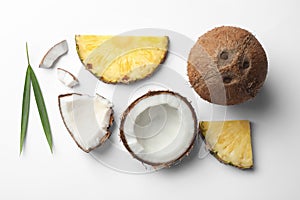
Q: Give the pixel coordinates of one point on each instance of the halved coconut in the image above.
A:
(67, 78)
(159, 128)
(121, 59)
(54, 54)
(87, 119)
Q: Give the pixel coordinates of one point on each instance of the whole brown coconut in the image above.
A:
(227, 66)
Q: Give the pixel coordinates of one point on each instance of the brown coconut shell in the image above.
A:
(227, 66)
(172, 162)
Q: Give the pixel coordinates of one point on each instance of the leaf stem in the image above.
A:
(27, 55)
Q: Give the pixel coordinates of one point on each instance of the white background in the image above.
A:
(70, 173)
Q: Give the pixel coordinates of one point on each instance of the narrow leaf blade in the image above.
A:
(25, 108)
(41, 107)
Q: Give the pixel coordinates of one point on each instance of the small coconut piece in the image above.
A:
(54, 54)
(159, 128)
(229, 141)
(86, 118)
(227, 66)
(67, 78)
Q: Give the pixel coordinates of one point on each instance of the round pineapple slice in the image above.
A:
(121, 59)
(229, 141)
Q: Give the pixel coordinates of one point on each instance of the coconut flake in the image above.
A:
(67, 78)
(54, 54)
(86, 118)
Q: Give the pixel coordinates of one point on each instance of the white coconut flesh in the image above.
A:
(67, 78)
(54, 54)
(159, 129)
(86, 118)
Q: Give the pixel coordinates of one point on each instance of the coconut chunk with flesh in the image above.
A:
(159, 128)
(121, 59)
(67, 78)
(229, 141)
(54, 54)
(86, 118)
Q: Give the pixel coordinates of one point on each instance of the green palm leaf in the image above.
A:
(25, 108)
(41, 107)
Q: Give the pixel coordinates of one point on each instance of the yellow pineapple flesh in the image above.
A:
(229, 141)
(121, 59)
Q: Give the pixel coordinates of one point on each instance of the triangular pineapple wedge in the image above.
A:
(121, 59)
(229, 141)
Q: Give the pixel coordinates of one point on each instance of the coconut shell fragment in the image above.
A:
(227, 66)
(67, 78)
(86, 118)
(54, 54)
